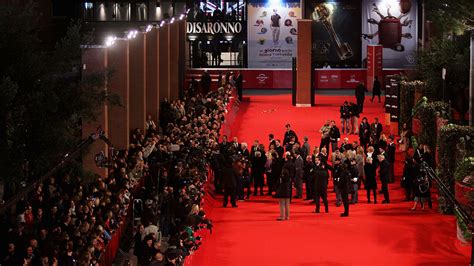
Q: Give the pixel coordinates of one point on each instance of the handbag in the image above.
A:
(403, 182)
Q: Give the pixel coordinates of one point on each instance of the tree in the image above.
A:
(451, 16)
(43, 97)
(452, 54)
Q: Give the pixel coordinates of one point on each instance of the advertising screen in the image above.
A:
(336, 32)
(272, 33)
(393, 24)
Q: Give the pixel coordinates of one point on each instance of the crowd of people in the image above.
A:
(69, 221)
(288, 163)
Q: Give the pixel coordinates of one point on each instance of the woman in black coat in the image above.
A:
(408, 177)
(284, 194)
(370, 181)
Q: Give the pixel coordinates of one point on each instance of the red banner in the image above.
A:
(282, 78)
(338, 78)
(374, 64)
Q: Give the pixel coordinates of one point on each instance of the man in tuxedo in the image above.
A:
(224, 145)
(375, 130)
(288, 135)
(342, 180)
(235, 146)
(384, 173)
(391, 148)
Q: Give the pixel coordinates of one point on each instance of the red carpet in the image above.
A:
(372, 235)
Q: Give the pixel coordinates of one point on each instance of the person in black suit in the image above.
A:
(206, 82)
(370, 169)
(343, 183)
(376, 130)
(284, 194)
(289, 133)
(409, 174)
(239, 84)
(229, 182)
(234, 146)
(320, 175)
(376, 88)
(224, 145)
(360, 95)
(276, 166)
(345, 111)
(299, 166)
(244, 150)
(364, 133)
(258, 169)
(289, 165)
(384, 174)
(279, 149)
(334, 136)
(272, 140)
(308, 178)
(391, 147)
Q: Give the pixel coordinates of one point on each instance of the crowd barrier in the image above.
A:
(208, 202)
(108, 256)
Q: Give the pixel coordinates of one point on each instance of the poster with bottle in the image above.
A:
(392, 24)
(272, 32)
(335, 44)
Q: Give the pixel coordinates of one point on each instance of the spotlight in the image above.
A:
(148, 28)
(181, 17)
(172, 20)
(162, 23)
(110, 40)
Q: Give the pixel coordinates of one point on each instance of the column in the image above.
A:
(163, 58)
(119, 123)
(173, 55)
(182, 56)
(471, 83)
(374, 64)
(152, 75)
(94, 62)
(303, 64)
(137, 59)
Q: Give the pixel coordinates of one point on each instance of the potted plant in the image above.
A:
(464, 192)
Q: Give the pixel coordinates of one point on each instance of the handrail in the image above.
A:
(463, 214)
(65, 158)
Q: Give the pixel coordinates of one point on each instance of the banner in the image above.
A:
(272, 33)
(392, 24)
(336, 32)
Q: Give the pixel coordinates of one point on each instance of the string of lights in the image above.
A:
(131, 34)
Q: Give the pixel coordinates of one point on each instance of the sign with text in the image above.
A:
(272, 33)
(213, 27)
(339, 78)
